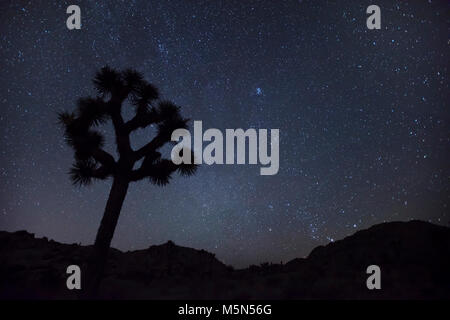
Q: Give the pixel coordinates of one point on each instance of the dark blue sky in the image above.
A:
(363, 118)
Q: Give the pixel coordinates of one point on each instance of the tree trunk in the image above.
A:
(99, 254)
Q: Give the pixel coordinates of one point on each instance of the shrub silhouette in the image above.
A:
(92, 162)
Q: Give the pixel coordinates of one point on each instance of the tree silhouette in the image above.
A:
(92, 162)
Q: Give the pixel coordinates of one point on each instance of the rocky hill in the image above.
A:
(414, 258)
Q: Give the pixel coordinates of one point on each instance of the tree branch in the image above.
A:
(122, 136)
(101, 173)
(104, 158)
(141, 120)
(156, 143)
(159, 171)
(165, 129)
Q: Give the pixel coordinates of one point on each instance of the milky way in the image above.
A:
(363, 119)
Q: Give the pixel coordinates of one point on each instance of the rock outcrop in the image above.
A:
(414, 258)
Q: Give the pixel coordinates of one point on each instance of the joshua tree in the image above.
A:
(92, 162)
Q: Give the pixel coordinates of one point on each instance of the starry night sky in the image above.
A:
(363, 118)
